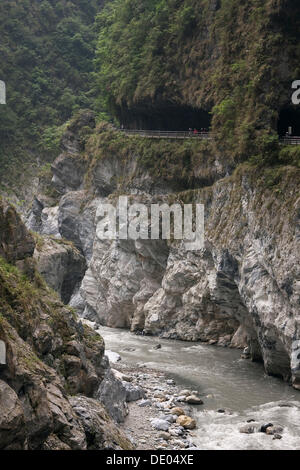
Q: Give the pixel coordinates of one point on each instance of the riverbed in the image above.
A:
(224, 381)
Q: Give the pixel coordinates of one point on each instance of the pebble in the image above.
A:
(186, 421)
(159, 405)
(185, 392)
(160, 424)
(170, 418)
(127, 378)
(170, 382)
(144, 403)
(176, 432)
(177, 411)
(165, 435)
(181, 398)
(179, 444)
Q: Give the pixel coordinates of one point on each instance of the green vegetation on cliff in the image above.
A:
(231, 58)
(171, 162)
(236, 59)
(47, 50)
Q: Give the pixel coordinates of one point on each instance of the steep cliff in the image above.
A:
(48, 356)
(241, 290)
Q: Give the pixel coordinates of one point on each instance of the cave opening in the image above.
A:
(289, 122)
(167, 117)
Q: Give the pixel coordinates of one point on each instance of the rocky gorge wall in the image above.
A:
(241, 290)
(53, 367)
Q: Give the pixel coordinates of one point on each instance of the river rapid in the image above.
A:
(224, 381)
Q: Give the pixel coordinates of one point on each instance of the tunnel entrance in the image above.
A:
(167, 117)
(289, 121)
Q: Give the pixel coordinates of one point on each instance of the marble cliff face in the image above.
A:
(241, 290)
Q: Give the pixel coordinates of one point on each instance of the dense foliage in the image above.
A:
(47, 50)
(232, 57)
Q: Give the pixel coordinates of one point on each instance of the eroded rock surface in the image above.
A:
(49, 356)
(61, 265)
(242, 290)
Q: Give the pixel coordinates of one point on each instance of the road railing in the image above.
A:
(168, 134)
(290, 140)
(156, 134)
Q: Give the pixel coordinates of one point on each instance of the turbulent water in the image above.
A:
(224, 380)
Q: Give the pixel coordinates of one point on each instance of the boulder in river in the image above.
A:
(247, 429)
(272, 430)
(193, 400)
(264, 427)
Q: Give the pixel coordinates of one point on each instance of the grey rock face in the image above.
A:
(295, 364)
(16, 243)
(68, 173)
(76, 220)
(34, 218)
(12, 421)
(121, 278)
(61, 265)
(101, 431)
(77, 302)
(49, 222)
(43, 217)
(68, 170)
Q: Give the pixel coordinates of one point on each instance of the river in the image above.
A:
(224, 381)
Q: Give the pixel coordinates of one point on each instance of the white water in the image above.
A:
(224, 381)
